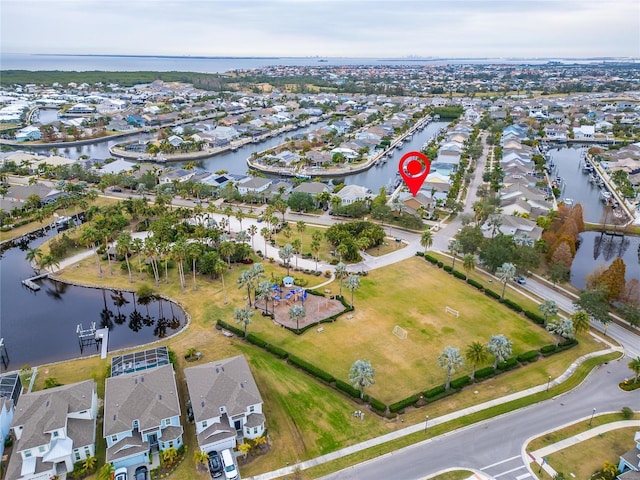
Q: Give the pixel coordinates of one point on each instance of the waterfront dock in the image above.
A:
(102, 335)
(31, 282)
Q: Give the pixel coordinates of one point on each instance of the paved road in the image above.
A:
(496, 446)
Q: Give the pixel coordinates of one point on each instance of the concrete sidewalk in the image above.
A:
(539, 456)
(429, 422)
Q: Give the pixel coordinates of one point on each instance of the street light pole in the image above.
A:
(426, 424)
(548, 382)
(592, 414)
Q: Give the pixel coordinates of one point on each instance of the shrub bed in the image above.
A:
(512, 305)
(508, 364)
(534, 316)
(377, 405)
(473, 283)
(347, 388)
(447, 268)
(547, 350)
(490, 293)
(434, 392)
(528, 357)
(483, 373)
(460, 383)
(459, 275)
(431, 259)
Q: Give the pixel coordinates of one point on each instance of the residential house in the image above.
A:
(180, 175)
(353, 193)
(53, 428)
(226, 402)
(629, 465)
(141, 415)
(28, 134)
(513, 226)
(312, 188)
(253, 185)
(10, 389)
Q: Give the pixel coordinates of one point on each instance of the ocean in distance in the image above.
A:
(110, 63)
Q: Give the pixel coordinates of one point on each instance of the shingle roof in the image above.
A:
(147, 396)
(226, 383)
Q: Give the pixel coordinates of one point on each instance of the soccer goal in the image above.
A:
(399, 332)
(450, 310)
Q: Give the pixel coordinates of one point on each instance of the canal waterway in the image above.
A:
(568, 162)
(598, 249)
(40, 327)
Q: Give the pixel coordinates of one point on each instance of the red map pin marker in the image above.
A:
(414, 168)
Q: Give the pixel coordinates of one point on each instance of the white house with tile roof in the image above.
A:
(54, 429)
(226, 403)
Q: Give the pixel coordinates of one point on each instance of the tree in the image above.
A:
(106, 472)
(449, 360)
(300, 202)
(500, 347)
(264, 291)
(476, 353)
(201, 458)
(340, 273)
(285, 253)
(315, 250)
(634, 365)
(426, 240)
(469, 263)
(361, 375)
(297, 248)
(242, 316)
(194, 251)
(454, 248)
(548, 309)
(612, 280)
(89, 464)
(594, 302)
(558, 273)
(169, 456)
(497, 251)
(564, 328)
(252, 230)
(352, 283)
(123, 247)
(226, 249)
(49, 261)
(297, 313)
(581, 321)
(33, 255)
(505, 273)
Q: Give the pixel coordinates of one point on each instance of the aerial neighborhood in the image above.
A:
(226, 275)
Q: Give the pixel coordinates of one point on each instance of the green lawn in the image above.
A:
(413, 295)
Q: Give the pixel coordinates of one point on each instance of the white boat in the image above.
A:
(568, 202)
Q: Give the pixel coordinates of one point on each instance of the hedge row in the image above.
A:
(231, 328)
(378, 406)
(434, 391)
(534, 317)
(528, 357)
(490, 293)
(277, 351)
(508, 364)
(473, 283)
(431, 259)
(459, 275)
(486, 372)
(460, 383)
(310, 368)
(512, 305)
(348, 389)
(447, 268)
(404, 403)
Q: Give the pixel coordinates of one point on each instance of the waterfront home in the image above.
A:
(180, 175)
(354, 193)
(28, 134)
(253, 185)
(19, 194)
(511, 225)
(629, 465)
(226, 403)
(10, 390)
(53, 428)
(141, 415)
(119, 166)
(312, 188)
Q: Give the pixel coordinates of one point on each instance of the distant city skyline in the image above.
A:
(331, 28)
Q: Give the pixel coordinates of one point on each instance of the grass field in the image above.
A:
(584, 459)
(305, 418)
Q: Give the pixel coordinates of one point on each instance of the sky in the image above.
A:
(331, 28)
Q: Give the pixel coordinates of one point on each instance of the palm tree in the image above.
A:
(297, 248)
(49, 261)
(548, 309)
(500, 347)
(33, 255)
(137, 246)
(89, 464)
(179, 254)
(242, 316)
(454, 248)
(106, 472)
(252, 230)
(89, 238)
(450, 359)
(426, 240)
(285, 253)
(219, 268)
(264, 291)
(228, 211)
(564, 328)
(505, 273)
(315, 249)
(297, 313)
(266, 234)
(194, 251)
(476, 353)
(301, 227)
(201, 458)
(581, 321)
(240, 215)
(469, 263)
(361, 375)
(634, 365)
(226, 249)
(352, 283)
(169, 456)
(341, 273)
(123, 247)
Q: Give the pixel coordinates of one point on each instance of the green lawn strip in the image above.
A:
(574, 462)
(575, 429)
(373, 452)
(453, 475)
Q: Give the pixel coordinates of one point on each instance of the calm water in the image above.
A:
(40, 327)
(9, 61)
(576, 183)
(596, 249)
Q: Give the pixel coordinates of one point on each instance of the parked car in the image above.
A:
(120, 474)
(215, 465)
(141, 473)
(521, 280)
